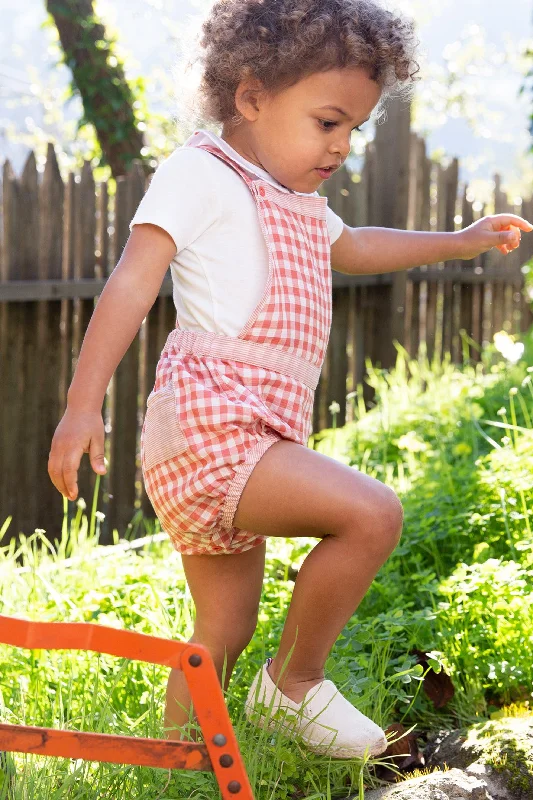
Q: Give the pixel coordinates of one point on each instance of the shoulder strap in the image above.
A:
(216, 151)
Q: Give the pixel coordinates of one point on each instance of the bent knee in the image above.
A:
(231, 635)
(379, 524)
(392, 511)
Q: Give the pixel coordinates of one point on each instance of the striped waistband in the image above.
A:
(230, 348)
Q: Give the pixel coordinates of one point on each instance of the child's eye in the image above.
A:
(329, 122)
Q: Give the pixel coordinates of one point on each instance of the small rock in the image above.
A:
(503, 745)
(454, 784)
(447, 747)
(495, 783)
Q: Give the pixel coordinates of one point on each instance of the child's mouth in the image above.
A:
(325, 173)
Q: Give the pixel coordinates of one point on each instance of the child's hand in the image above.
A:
(498, 230)
(78, 432)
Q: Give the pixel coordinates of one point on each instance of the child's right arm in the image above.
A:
(126, 299)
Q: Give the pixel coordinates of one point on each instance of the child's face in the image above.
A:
(291, 135)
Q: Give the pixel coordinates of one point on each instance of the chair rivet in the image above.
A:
(219, 739)
(195, 660)
(234, 787)
(225, 760)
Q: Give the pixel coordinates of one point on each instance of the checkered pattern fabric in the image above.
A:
(219, 402)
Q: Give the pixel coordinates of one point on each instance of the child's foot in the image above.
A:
(325, 720)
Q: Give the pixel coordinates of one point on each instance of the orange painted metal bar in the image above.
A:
(220, 753)
(105, 747)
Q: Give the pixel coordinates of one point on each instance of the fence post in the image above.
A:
(124, 469)
(388, 208)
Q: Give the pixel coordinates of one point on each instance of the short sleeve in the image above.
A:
(335, 225)
(181, 197)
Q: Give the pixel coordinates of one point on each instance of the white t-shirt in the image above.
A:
(220, 269)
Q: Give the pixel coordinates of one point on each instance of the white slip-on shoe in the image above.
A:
(325, 720)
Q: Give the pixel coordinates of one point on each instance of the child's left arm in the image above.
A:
(373, 250)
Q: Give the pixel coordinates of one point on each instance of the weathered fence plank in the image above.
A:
(124, 394)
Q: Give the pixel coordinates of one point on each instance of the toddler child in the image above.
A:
(251, 245)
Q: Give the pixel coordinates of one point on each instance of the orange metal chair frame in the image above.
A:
(220, 753)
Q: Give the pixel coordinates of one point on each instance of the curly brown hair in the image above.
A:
(281, 41)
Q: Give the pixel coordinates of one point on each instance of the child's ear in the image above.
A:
(248, 98)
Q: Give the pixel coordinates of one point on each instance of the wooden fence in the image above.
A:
(61, 240)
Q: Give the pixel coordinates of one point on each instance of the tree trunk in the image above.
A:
(99, 78)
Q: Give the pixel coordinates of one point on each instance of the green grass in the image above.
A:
(144, 590)
(456, 444)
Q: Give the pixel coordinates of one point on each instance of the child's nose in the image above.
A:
(343, 147)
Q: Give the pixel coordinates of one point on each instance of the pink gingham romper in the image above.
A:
(219, 402)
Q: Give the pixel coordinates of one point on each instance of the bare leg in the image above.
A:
(226, 590)
(295, 491)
